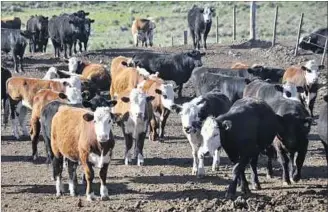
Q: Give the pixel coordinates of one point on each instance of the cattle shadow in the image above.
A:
(252, 44)
(22, 158)
(128, 52)
(10, 138)
(309, 172)
(183, 162)
(313, 137)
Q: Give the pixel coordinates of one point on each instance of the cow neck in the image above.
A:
(103, 147)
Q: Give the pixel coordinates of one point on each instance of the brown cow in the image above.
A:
(11, 23)
(143, 29)
(306, 76)
(81, 135)
(21, 91)
(43, 97)
(239, 65)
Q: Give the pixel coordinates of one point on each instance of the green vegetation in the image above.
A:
(113, 19)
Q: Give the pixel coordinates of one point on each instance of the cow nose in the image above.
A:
(103, 138)
(187, 129)
(206, 154)
(139, 115)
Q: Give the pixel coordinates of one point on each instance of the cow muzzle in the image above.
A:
(103, 138)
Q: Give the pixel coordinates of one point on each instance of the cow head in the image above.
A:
(81, 14)
(274, 74)
(189, 113)
(74, 95)
(294, 128)
(52, 73)
(167, 95)
(103, 121)
(211, 133)
(197, 57)
(138, 101)
(96, 101)
(312, 69)
(76, 24)
(208, 13)
(73, 64)
(290, 90)
(87, 26)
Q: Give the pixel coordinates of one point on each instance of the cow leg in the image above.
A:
(180, 90)
(201, 166)
(291, 166)
(300, 160)
(80, 45)
(325, 145)
(65, 51)
(236, 173)
(216, 160)
(198, 39)
(163, 120)
(89, 175)
(311, 102)
(192, 33)
(103, 187)
(255, 178)
(69, 49)
(128, 145)
(21, 57)
(57, 165)
(284, 160)
(140, 140)
(15, 62)
(6, 110)
(34, 133)
(74, 47)
(135, 39)
(21, 117)
(204, 41)
(153, 136)
(72, 184)
(14, 119)
(244, 184)
(270, 153)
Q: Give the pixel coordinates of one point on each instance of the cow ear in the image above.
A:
(67, 84)
(111, 103)
(86, 104)
(46, 18)
(212, 9)
(321, 67)
(87, 13)
(288, 94)
(304, 68)
(279, 88)
(92, 20)
(150, 98)
(125, 99)
(225, 125)
(247, 81)
(88, 117)
(201, 10)
(300, 89)
(158, 91)
(177, 108)
(203, 54)
(66, 60)
(325, 98)
(85, 95)
(62, 95)
(124, 63)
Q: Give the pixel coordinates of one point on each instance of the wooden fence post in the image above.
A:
(299, 34)
(324, 51)
(252, 31)
(275, 27)
(172, 39)
(217, 29)
(185, 37)
(234, 22)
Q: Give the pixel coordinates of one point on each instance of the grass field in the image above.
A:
(113, 19)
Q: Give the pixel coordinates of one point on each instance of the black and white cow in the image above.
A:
(193, 114)
(14, 41)
(200, 22)
(232, 87)
(244, 131)
(5, 75)
(314, 42)
(323, 126)
(37, 27)
(176, 67)
(293, 138)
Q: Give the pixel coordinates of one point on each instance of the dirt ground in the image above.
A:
(165, 182)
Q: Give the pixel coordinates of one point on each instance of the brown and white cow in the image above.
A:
(143, 30)
(306, 76)
(81, 135)
(133, 113)
(72, 95)
(162, 104)
(21, 91)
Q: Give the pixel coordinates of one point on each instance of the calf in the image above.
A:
(134, 112)
(244, 131)
(11, 23)
(193, 114)
(176, 67)
(315, 41)
(14, 41)
(200, 22)
(49, 110)
(162, 104)
(143, 28)
(81, 135)
(232, 87)
(37, 26)
(21, 91)
(43, 97)
(306, 76)
(323, 126)
(5, 75)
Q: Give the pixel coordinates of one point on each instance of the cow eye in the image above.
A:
(109, 121)
(165, 96)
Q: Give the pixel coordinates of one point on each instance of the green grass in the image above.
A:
(111, 16)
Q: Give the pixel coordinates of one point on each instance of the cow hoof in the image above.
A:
(73, 194)
(268, 176)
(90, 197)
(229, 195)
(256, 186)
(295, 178)
(194, 172)
(215, 168)
(285, 183)
(104, 198)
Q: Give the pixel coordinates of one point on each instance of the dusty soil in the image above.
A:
(165, 182)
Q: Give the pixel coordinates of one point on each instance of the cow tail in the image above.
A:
(6, 106)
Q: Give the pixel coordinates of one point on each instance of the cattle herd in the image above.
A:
(244, 110)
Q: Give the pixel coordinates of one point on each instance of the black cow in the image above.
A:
(232, 87)
(5, 75)
(323, 126)
(37, 26)
(177, 67)
(293, 138)
(314, 42)
(14, 41)
(11, 23)
(244, 131)
(200, 22)
(83, 37)
(63, 31)
(48, 112)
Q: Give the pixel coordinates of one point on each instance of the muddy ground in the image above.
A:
(165, 182)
